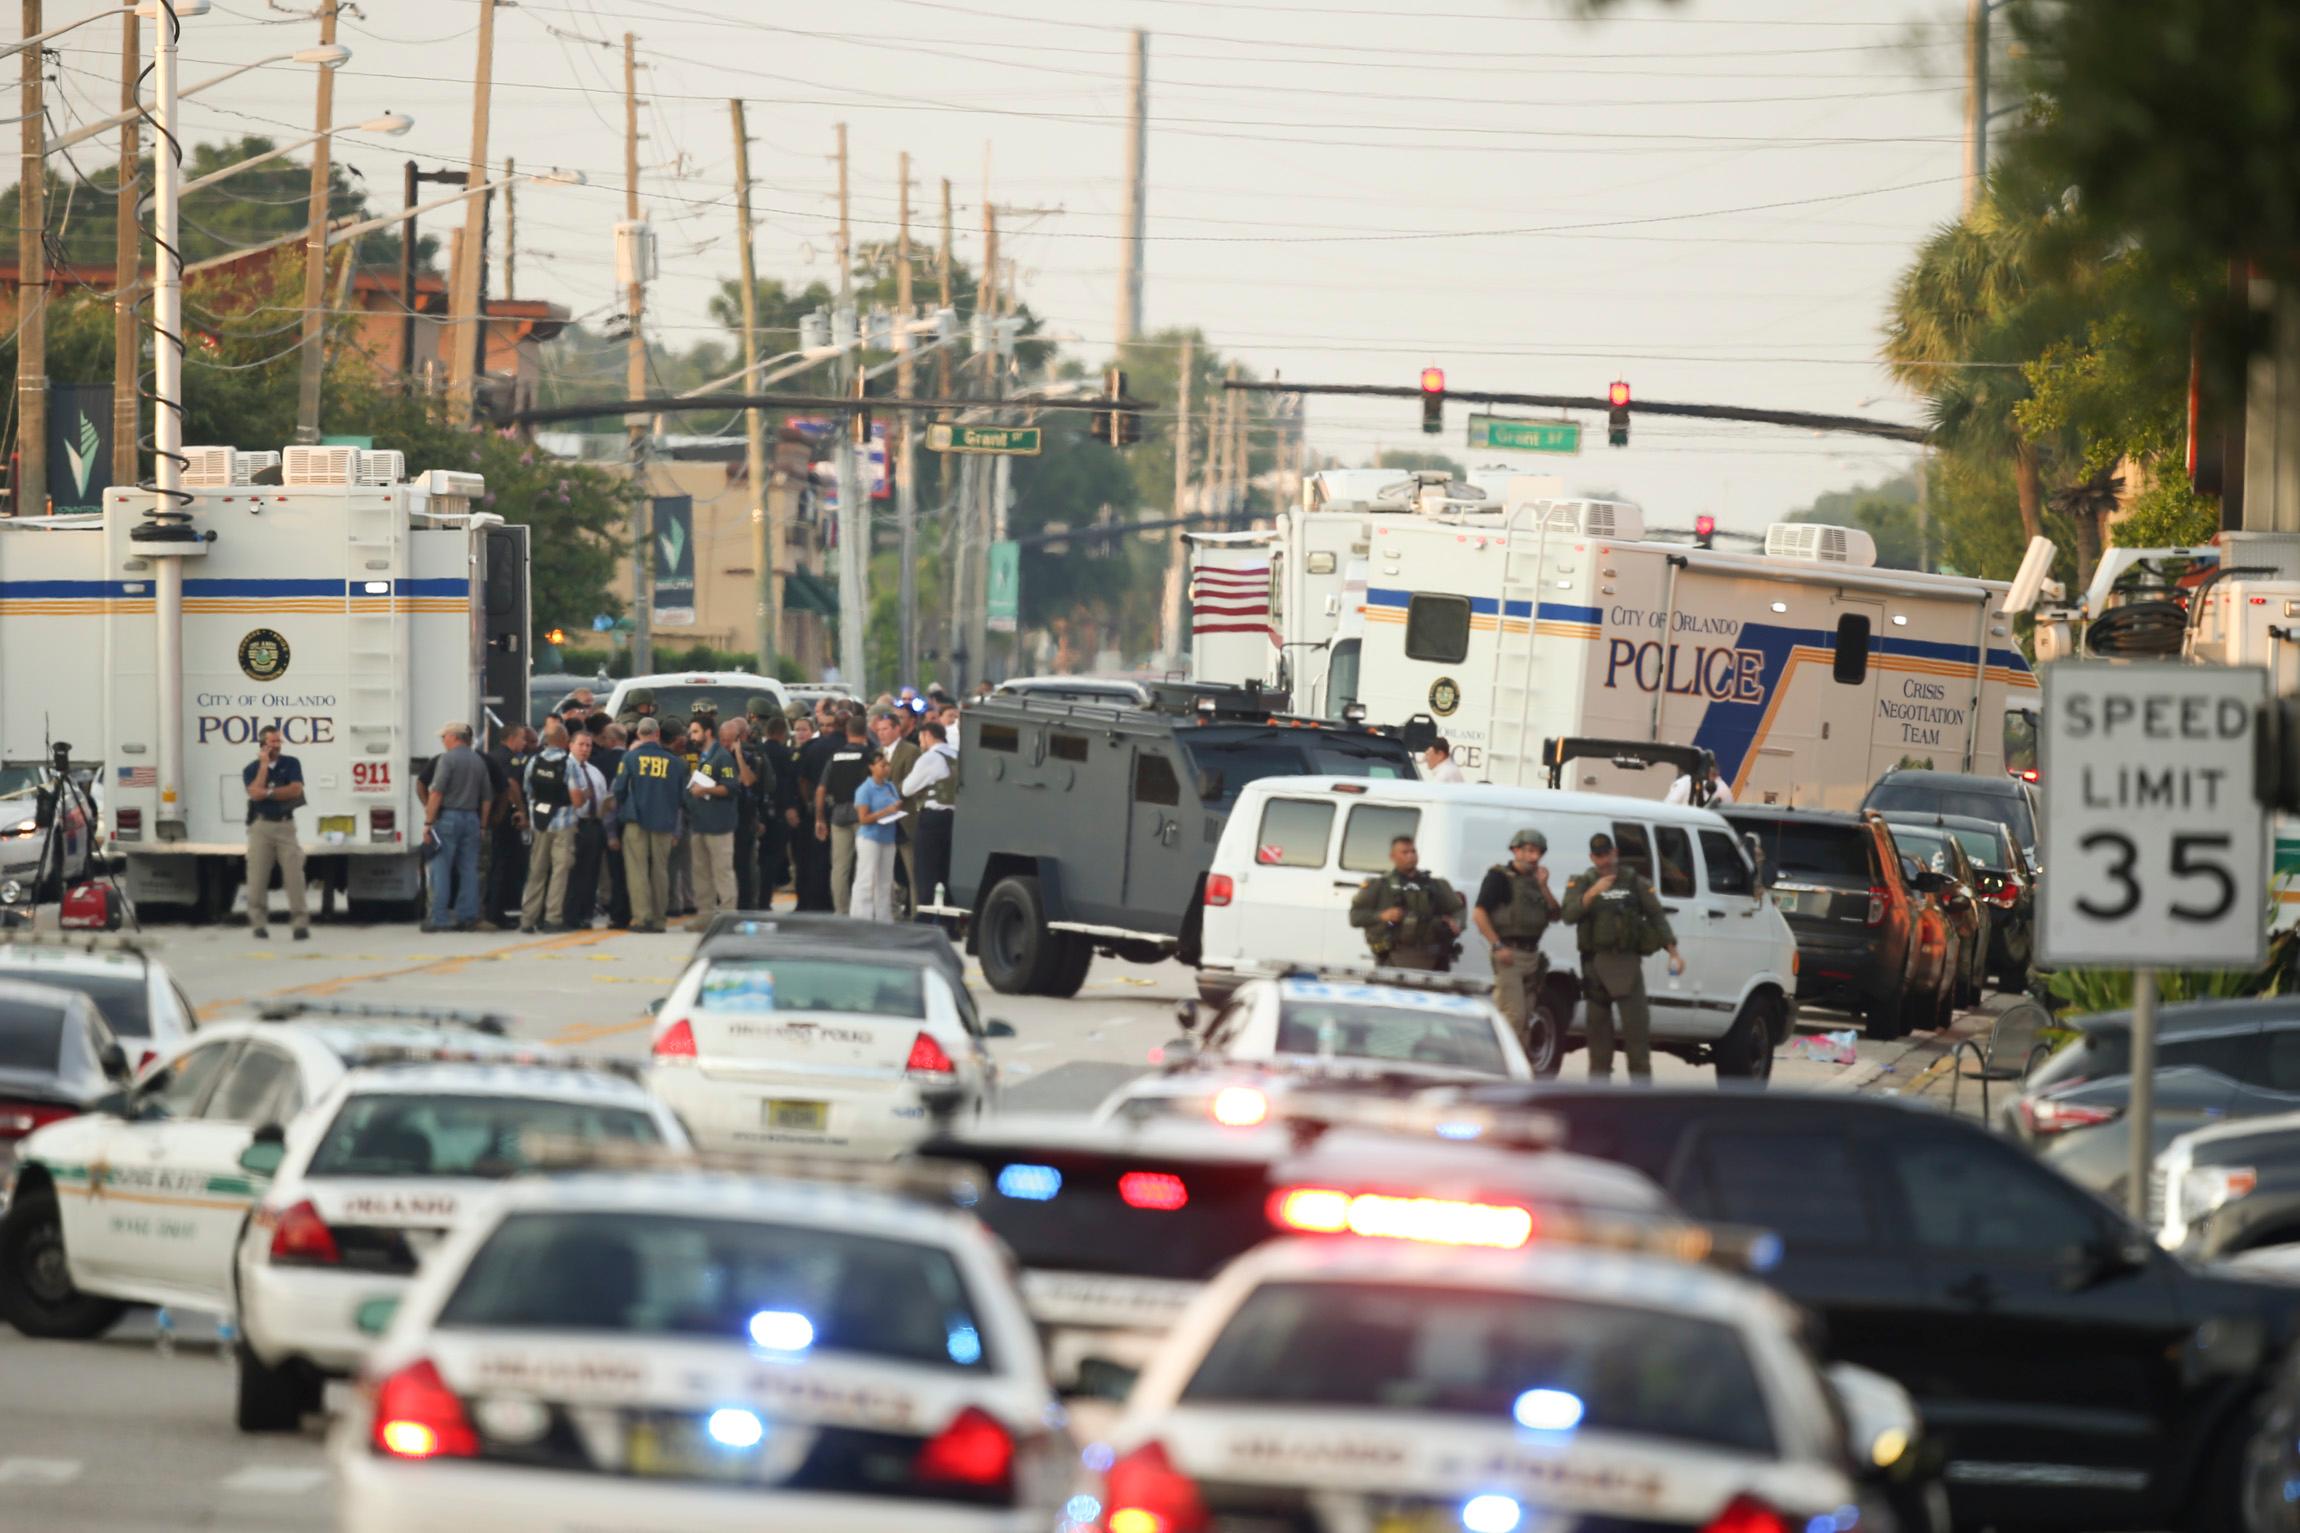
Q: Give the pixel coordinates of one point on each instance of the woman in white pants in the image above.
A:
(878, 804)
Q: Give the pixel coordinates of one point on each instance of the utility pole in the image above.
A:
(311, 351)
(942, 271)
(766, 539)
(32, 284)
(854, 507)
(986, 304)
(635, 305)
(906, 462)
(1976, 101)
(463, 295)
(407, 276)
(510, 227)
(1171, 626)
(1241, 461)
(955, 480)
(127, 267)
(1137, 164)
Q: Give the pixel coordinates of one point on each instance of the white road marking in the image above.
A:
(39, 1471)
(273, 1480)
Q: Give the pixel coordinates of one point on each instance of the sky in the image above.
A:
(1710, 199)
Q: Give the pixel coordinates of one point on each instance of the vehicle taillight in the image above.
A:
(300, 1235)
(675, 1045)
(2005, 895)
(1376, 1216)
(128, 824)
(1880, 900)
(928, 1057)
(1159, 1190)
(976, 1449)
(383, 825)
(1240, 1107)
(1746, 1514)
(2045, 1115)
(1147, 1494)
(418, 1416)
(1220, 889)
(145, 1060)
(20, 1118)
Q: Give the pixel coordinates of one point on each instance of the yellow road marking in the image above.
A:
(327, 987)
(592, 1032)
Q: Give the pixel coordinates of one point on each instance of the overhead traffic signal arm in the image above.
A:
(1801, 420)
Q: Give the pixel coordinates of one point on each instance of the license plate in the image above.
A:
(679, 1450)
(809, 1117)
(337, 824)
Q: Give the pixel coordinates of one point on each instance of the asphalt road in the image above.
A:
(123, 1436)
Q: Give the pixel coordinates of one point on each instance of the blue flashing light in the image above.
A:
(1460, 1130)
(1097, 1457)
(1548, 1410)
(1029, 1184)
(782, 1330)
(1491, 1514)
(1765, 1252)
(964, 1345)
(1081, 1509)
(733, 1428)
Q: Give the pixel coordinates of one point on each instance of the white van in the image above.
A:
(1297, 849)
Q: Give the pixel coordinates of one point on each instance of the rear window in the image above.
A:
(1237, 762)
(1795, 849)
(1985, 850)
(791, 985)
(402, 1134)
(1334, 1029)
(677, 704)
(1929, 848)
(2006, 809)
(125, 1000)
(1294, 833)
(1367, 835)
(794, 1289)
(1477, 1352)
(1437, 629)
(2107, 1051)
(31, 1037)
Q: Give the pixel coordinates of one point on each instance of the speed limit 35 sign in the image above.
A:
(2155, 847)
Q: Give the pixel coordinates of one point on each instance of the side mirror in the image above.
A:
(1209, 785)
(995, 1028)
(656, 1004)
(114, 1060)
(1186, 1015)
(263, 1157)
(2112, 1255)
(112, 1104)
(1178, 1054)
(374, 1317)
(1418, 733)
(1880, 1418)
(1100, 1378)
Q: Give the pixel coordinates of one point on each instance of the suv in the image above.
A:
(1957, 893)
(1868, 939)
(2229, 1188)
(677, 692)
(2075, 1375)
(2009, 801)
(1089, 827)
(2004, 882)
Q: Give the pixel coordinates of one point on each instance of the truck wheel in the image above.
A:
(1073, 956)
(270, 1399)
(1017, 951)
(2241, 1487)
(1746, 1050)
(36, 1292)
(1545, 1037)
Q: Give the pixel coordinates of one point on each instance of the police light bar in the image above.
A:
(1506, 1226)
(538, 1056)
(1429, 1115)
(951, 1182)
(289, 1009)
(79, 941)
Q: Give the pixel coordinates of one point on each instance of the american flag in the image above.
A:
(139, 777)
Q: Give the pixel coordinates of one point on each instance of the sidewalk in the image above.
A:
(1923, 1065)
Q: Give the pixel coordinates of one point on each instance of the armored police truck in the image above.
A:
(1089, 827)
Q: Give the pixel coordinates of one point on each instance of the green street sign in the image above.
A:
(1012, 441)
(1003, 586)
(1495, 431)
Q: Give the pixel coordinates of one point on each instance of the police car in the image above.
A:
(701, 1352)
(372, 1178)
(1307, 1022)
(1492, 1381)
(144, 1205)
(148, 1011)
(791, 1039)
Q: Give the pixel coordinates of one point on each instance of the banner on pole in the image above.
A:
(79, 447)
(674, 561)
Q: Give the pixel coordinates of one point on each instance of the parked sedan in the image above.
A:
(2004, 883)
(2215, 1061)
(1958, 896)
(57, 1058)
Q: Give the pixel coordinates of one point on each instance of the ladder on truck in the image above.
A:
(375, 574)
(1513, 742)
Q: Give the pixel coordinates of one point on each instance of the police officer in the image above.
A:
(1618, 920)
(1410, 918)
(702, 733)
(638, 703)
(755, 805)
(1514, 907)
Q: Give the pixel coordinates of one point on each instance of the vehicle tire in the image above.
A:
(1073, 956)
(1746, 1050)
(1017, 951)
(1545, 1037)
(269, 1399)
(2241, 1487)
(1884, 1020)
(2013, 981)
(1945, 1009)
(36, 1292)
(1216, 992)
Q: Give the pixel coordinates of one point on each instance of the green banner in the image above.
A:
(1005, 587)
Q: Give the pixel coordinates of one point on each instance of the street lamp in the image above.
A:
(391, 124)
(12, 49)
(333, 56)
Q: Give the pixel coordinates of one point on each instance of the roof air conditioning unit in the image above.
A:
(449, 484)
(252, 465)
(1821, 544)
(1616, 521)
(210, 468)
(319, 465)
(382, 468)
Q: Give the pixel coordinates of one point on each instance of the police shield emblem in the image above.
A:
(1445, 696)
(264, 655)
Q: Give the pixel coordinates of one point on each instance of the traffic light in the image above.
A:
(1120, 428)
(1433, 400)
(1617, 414)
(1705, 531)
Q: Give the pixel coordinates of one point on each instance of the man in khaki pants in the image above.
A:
(275, 792)
(647, 790)
(712, 815)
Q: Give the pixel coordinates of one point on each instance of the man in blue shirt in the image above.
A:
(275, 791)
(647, 791)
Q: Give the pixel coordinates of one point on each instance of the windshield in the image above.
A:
(31, 1037)
(400, 1134)
(2007, 809)
(843, 987)
(124, 999)
(1304, 753)
(1929, 847)
(788, 1288)
(1479, 1352)
(1327, 1029)
(677, 704)
(18, 779)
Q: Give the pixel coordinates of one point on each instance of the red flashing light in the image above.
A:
(975, 1449)
(675, 1045)
(418, 1416)
(300, 1236)
(1147, 1494)
(1159, 1191)
(1377, 1216)
(1746, 1514)
(1618, 395)
(1433, 380)
(2030, 774)
(928, 1057)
